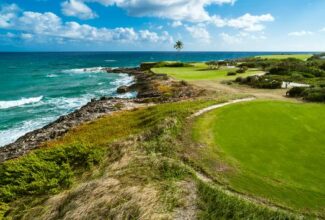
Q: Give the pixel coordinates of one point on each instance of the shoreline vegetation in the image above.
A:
(147, 158)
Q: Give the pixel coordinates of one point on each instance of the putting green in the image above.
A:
(270, 149)
(201, 71)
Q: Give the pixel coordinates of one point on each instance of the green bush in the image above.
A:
(260, 82)
(314, 94)
(296, 92)
(307, 75)
(232, 73)
(45, 171)
(278, 71)
(172, 64)
(240, 79)
(242, 70)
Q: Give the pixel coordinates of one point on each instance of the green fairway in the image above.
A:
(285, 56)
(201, 71)
(269, 149)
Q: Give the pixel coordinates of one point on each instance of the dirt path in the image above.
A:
(202, 111)
(217, 86)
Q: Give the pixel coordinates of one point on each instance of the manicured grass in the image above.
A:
(201, 71)
(273, 150)
(285, 56)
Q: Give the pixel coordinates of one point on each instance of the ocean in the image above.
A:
(37, 88)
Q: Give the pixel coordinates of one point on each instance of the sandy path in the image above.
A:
(212, 107)
(217, 86)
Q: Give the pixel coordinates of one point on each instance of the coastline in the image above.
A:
(147, 92)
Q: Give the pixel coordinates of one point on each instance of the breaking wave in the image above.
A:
(98, 69)
(20, 102)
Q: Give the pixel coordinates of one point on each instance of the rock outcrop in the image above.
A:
(150, 87)
(92, 110)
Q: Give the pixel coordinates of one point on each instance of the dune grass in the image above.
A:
(201, 71)
(272, 150)
(285, 56)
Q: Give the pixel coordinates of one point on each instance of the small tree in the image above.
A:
(179, 45)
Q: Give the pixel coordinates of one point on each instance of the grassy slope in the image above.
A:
(200, 71)
(129, 179)
(285, 56)
(270, 149)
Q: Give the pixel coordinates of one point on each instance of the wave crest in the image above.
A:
(20, 102)
(98, 69)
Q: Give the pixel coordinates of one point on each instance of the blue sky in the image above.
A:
(203, 25)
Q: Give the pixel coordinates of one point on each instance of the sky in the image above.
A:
(154, 25)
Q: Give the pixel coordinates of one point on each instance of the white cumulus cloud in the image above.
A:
(199, 32)
(7, 13)
(78, 9)
(300, 33)
(180, 11)
(176, 24)
(241, 37)
(187, 10)
(250, 22)
(50, 25)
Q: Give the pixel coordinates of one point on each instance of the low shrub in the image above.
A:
(260, 82)
(296, 92)
(278, 71)
(307, 75)
(45, 171)
(314, 94)
(147, 66)
(242, 69)
(232, 73)
(171, 64)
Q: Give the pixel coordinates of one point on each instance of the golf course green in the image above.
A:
(271, 150)
(201, 71)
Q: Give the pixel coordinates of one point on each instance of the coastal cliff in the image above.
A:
(150, 88)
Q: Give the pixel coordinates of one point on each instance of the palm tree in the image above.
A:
(179, 45)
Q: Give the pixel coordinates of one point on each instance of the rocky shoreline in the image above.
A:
(150, 88)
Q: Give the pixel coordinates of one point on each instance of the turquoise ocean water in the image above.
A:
(37, 88)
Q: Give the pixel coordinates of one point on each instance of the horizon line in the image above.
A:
(157, 51)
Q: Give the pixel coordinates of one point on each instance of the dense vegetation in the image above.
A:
(125, 166)
(310, 72)
(273, 150)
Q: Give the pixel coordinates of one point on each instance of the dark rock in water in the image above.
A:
(122, 89)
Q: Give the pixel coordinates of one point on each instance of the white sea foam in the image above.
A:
(65, 105)
(20, 102)
(124, 79)
(126, 95)
(59, 106)
(51, 75)
(12, 134)
(110, 60)
(98, 69)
